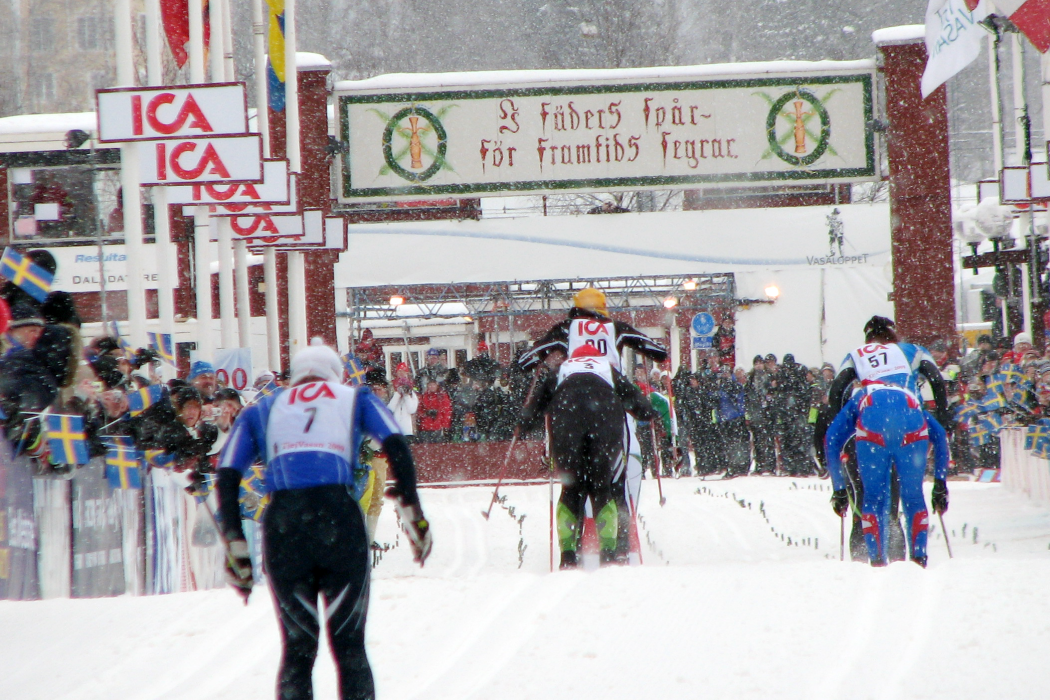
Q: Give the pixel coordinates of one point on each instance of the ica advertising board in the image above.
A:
(613, 134)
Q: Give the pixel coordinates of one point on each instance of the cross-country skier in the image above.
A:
(309, 437)
(589, 323)
(586, 399)
(893, 434)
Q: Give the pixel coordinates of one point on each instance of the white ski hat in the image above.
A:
(318, 361)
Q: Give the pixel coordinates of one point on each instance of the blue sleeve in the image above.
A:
(374, 418)
(939, 441)
(839, 433)
(247, 442)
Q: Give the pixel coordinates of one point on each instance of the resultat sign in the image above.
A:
(532, 131)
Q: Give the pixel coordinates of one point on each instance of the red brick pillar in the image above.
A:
(315, 192)
(920, 195)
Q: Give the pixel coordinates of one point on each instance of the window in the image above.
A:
(43, 87)
(94, 33)
(41, 37)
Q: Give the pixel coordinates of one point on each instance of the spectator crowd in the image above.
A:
(716, 420)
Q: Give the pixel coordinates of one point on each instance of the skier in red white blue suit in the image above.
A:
(893, 432)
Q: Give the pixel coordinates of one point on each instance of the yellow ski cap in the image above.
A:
(591, 299)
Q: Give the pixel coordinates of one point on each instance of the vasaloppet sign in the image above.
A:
(543, 131)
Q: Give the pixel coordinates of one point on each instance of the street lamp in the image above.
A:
(670, 302)
(689, 285)
(772, 291)
(397, 300)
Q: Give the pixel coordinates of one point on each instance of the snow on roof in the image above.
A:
(905, 34)
(311, 61)
(48, 123)
(400, 81)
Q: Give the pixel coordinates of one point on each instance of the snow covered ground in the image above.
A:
(724, 607)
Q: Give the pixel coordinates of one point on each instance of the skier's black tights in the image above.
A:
(586, 441)
(315, 543)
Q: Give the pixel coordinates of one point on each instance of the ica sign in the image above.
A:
(137, 114)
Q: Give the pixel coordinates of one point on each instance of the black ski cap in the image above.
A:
(878, 325)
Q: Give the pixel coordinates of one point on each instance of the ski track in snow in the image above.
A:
(729, 610)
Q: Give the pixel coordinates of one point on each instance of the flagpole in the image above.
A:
(161, 214)
(297, 327)
(129, 180)
(201, 256)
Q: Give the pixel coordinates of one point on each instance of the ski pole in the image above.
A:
(940, 516)
(842, 537)
(550, 482)
(243, 592)
(676, 446)
(510, 451)
(659, 463)
(656, 448)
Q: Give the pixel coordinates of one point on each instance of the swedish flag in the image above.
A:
(1012, 374)
(163, 345)
(65, 437)
(1037, 432)
(123, 468)
(993, 401)
(142, 399)
(355, 371)
(24, 273)
(159, 459)
(253, 497)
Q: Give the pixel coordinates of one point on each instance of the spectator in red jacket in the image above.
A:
(435, 413)
(368, 350)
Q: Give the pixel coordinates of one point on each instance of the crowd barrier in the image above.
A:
(82, 538)
(1022, 471)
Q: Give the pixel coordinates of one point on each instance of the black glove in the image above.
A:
(939, 498)
(840, 502)
(239, 568)
(415, 526)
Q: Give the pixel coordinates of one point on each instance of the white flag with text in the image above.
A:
(953, 40)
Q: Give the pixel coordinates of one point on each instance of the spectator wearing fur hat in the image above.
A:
(434, 369)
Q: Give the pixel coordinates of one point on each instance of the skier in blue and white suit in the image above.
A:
(892, 430)
(315, 543)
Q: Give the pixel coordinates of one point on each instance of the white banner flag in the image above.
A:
(953, 40)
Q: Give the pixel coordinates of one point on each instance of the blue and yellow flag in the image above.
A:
(1011, 374)
(65, 437)
(204, 488)
(142, 399)
(164, 346)
(159, 459)
(993, 401)
(123, 468)
(27, 275)
(1036, 433)
(253, 497)
(355, 370)
(275, 73)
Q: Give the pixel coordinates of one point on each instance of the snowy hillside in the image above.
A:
(724, 607)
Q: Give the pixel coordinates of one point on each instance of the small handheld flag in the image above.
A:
(355, 371)
(65, 437)
(163, 345)
(123, 468)
(253, 497)
(159, 459)
(27, 275)
(142, 399)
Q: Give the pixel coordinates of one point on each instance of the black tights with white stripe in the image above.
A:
(315, 544)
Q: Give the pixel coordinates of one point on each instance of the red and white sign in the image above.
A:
(227, 159)
(292, 207)
(312, 234)
(274, 189)
(137, 114)
(265, 226)
(233, 367)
